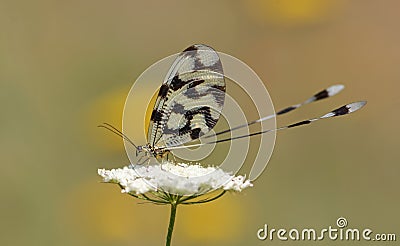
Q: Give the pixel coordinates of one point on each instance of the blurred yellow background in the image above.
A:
(67, 66)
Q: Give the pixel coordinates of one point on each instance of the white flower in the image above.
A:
(171, 178)
(173, 184)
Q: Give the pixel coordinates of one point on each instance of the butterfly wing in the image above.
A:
(190, 100)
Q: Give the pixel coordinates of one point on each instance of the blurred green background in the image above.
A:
(66, 66)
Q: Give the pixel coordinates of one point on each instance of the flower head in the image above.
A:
(170, 179)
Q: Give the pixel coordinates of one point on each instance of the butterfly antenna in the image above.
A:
(328, 92)
(114, 130)
(346, 109)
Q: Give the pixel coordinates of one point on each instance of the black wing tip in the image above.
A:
(329, 92)
(195, 47)
(346, 109)
(191, 48)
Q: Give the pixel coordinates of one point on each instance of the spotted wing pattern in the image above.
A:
(190, 100)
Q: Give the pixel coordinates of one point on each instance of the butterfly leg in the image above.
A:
(174, 158)
(139, 161)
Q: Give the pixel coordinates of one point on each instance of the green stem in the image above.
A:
(171, 223)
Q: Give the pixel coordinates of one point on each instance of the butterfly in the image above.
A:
(191, 99)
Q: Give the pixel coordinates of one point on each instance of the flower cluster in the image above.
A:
(173, 184)
(179, 179)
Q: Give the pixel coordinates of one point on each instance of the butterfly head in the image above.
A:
(149, 150)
